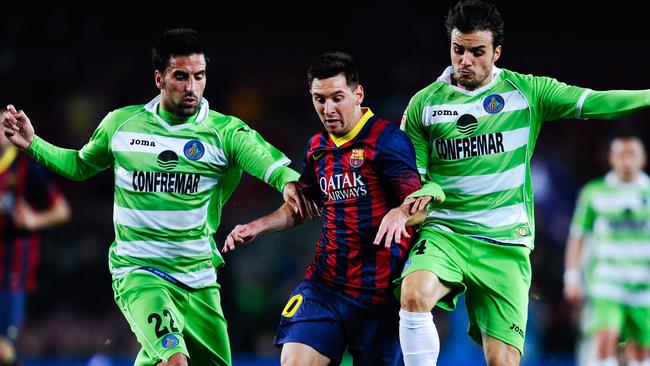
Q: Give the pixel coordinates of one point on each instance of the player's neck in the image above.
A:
(174, 119)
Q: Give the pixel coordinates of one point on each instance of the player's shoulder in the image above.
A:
(224, 122)
(594, 186)
(426, 92)
(318, 139)
(125, 113)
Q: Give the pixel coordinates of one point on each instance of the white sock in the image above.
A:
(419, 338)
(612, 361)
(639, 363)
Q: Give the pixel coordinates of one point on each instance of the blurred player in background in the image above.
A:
(474, 130)
(176, 163)
(29, 202)
(612, 224)
(358, 172)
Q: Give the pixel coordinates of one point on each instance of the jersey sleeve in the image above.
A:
(613, 104)
(583, 216)
(413, 125)
(558, 100)
(252, 154)
(94, 157)
(395, 163)
(308, 181)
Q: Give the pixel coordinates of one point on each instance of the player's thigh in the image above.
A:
(498, 353)
(310, 318)
(298, 354)
(497, 295)
(374, 338)
(441, 254)
(154, 309)
(206, 333)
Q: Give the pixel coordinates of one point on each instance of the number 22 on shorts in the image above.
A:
(292, 306)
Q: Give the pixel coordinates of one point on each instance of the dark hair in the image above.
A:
(176, 42)
(624, 133)
(333, 63)
(475, 15)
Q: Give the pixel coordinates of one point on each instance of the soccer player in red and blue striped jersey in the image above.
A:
(357, 171)
(29, 201)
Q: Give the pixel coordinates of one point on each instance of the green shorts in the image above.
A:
(168, 319)
(632, 323)
(495, 279)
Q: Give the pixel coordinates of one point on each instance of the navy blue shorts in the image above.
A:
(329, 320)
(12, 307)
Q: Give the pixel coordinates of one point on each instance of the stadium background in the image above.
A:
(68, 67)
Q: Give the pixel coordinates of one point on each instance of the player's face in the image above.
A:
(627, 158)
(182, 84)
(472, 57)
(337, 104)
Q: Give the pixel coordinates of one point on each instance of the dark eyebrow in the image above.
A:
(337, 92)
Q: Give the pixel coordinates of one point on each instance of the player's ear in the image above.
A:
(159, 79)
(497, 54)
(358, 94)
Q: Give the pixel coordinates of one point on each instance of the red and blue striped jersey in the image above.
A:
(21, 179)
(357, 179)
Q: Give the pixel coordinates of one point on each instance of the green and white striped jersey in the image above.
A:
(614, 219)
(478, 144)
(171, 181)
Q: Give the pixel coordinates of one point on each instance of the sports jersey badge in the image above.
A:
(356, 158)
(194, 150)
(493, 103)
(169, 341)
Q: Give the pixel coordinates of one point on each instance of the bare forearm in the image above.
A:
(282, 219)
(57, 214)
(573, 252)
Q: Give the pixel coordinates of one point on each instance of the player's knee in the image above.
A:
(7, 353)
(417, 298)
(177, 359)
(502, 356)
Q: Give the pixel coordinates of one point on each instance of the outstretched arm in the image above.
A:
(65, 162)
(393, 225)
(283, 218)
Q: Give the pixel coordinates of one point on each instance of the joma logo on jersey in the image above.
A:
(517, 329)
(343, 186)
(443, 112)
(142, 142)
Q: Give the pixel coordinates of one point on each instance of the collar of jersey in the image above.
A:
(152, 107)
(8, 158)
(173, 119)
(446, 78)
(338, 141)
(642, 181)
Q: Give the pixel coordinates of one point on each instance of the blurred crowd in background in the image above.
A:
(68, 68)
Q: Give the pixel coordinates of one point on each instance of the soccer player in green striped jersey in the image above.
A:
(474, 130)
(176, 162)
(612, 219)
